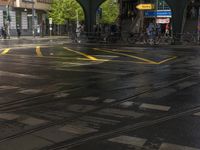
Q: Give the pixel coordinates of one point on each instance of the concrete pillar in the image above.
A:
(178, 8)
(90, 7)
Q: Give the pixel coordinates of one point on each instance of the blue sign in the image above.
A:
(163, 13)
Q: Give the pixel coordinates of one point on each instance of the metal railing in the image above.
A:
(134, 38)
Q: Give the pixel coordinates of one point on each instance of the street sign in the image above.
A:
(50, 20)
(158, 14)
(163, 20)
(145, 6)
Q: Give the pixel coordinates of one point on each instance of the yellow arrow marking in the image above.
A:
(38, 51)
(145, 6)
(83, 54)
(127, 55)
(5, 51)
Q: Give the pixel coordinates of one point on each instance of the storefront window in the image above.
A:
(18, 18)
(162, 5)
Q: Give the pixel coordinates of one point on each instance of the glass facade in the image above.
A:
(162, 5)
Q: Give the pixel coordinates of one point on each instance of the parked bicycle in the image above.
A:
(134, 38)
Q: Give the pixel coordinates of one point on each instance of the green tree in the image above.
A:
(110, 11)
(65, 10)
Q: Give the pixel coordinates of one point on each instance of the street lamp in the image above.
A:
(8, 19)
(33, 19)
(77, 19)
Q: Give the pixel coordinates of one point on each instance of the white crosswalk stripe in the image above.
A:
(76, 129)
(90, 98)
(197, 114)
(8, 116)
(168, 146)
(109, 100)
(33, 121)
(128, 140)
(155, 107)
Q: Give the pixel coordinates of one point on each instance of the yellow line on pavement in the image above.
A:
(83, 54)
(5, 51)
(38, 51)
(127, 55)
(166, 60)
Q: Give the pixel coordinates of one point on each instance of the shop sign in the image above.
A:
(159, 14)
(50, 20)
(145, 6)
(163, 20)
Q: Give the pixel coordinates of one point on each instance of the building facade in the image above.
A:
(30, 16)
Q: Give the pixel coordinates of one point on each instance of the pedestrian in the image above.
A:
(18, 31)
(38, 30)
(167, 28)
(3, 32)
(193, 12)
(78, 33)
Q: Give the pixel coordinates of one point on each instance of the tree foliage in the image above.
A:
(110, 11)
(62, 10)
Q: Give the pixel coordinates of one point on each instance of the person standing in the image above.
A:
(3, 32)
(18, 31)
(167, 28)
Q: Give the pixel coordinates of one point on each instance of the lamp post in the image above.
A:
(33, 19)
(77, 19)
(8, 19)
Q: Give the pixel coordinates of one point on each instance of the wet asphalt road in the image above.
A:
(73, 97)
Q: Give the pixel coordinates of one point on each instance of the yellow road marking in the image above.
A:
(166, 60)
(83, 54)
(5, 51)
(147, 61)
(38, 51)
(127, 55)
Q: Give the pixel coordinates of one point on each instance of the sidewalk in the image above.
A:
(36, 38)
(25, 41)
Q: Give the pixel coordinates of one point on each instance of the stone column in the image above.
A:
(90, 7)
(178, 8)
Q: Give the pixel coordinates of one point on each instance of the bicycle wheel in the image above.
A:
(132, 39)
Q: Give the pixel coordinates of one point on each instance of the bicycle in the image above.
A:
(134, 38)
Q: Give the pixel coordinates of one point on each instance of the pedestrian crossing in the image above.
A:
(92, 124)
(138, 142)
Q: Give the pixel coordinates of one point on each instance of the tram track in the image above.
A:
(33, 130)
(116, 132)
